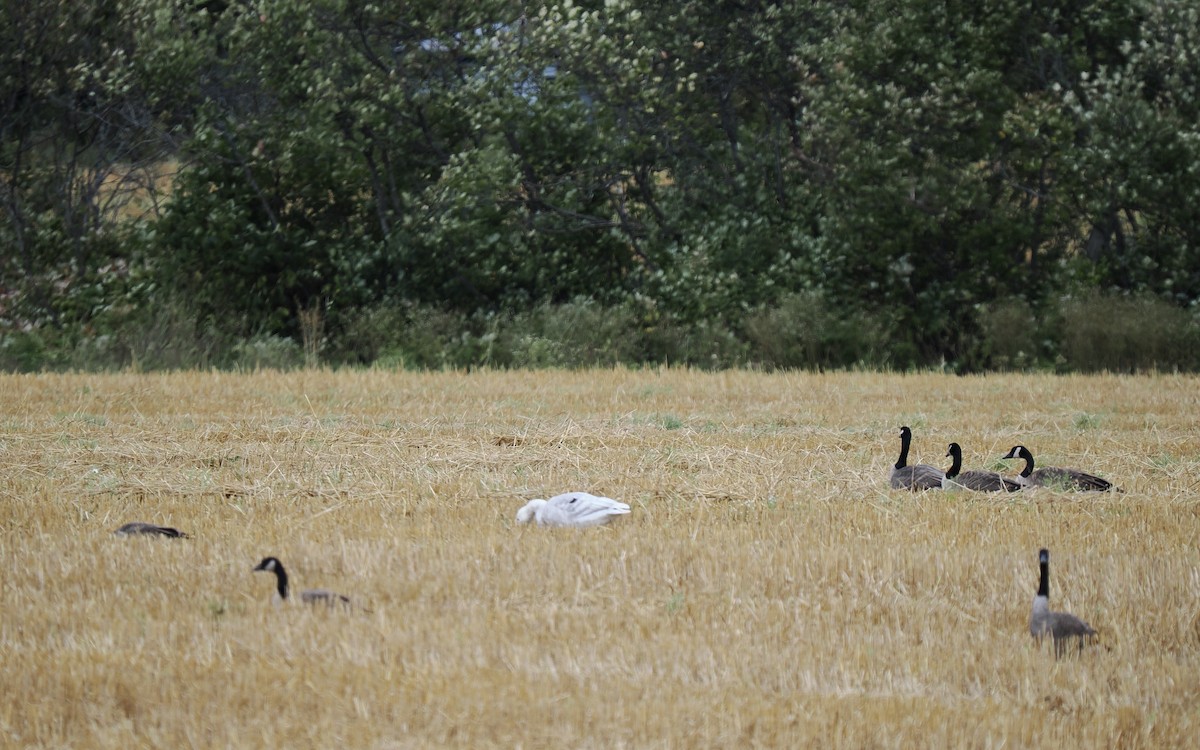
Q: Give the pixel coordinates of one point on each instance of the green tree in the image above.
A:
(940, 133)
(80, 152)
(1134, 172)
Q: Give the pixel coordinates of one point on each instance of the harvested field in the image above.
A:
(768, 589)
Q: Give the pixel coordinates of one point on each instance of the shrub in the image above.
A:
(22, 351)
(581, 333)
(421, 338)
(366, 333)
(146, 337)
(1012, 338)
(803, 332)
(1128, 334)
(170, 336)
(427, 338)
(267, 351)
(707, 344)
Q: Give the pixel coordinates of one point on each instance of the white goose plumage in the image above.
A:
(578, 509)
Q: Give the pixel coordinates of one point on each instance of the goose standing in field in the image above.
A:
(578, 509)
(1058, 625)
(1054, 477)
(149, 529)
(919, 477)
(308, 596)
(981, 481)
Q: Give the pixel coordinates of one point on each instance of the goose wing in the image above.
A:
(919, 477)
(324, 596)
(1062, 627)
(1069, 479)
(1067, 625)
(985, 481)
(137, 527)
(580, 509)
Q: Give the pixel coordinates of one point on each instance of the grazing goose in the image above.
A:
(1058, 625)
(308, 596)
(149, 529)
(981, 481)
(919, 477)
(578, 509)
(1054, 477)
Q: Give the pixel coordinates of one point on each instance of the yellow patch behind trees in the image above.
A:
(768, 589)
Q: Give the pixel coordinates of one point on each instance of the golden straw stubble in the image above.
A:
(768, 587)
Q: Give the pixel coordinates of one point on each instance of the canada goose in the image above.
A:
(308, 596)
(981, 481)
(149, 529)
(1058, 625)
(578, 509)
(1052, 476)
(919, 477)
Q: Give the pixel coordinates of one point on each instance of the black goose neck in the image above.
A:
(1044, 579)
(281, 580)
(905, 440)
(955, 454)
(1025, 454)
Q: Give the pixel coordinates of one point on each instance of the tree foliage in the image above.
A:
(705, 164)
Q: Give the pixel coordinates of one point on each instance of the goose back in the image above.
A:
(978, 480)
(1055, 477)
(577, 509)
(148, 529)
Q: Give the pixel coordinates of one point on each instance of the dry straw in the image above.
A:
(767, 590)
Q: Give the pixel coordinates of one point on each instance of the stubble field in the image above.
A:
(768, 589)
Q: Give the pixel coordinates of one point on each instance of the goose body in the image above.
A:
(1055, 477)
(149, 529)
(919, 477)
(1060, 626)
(308, 596)
(980, 481)
(577, 509)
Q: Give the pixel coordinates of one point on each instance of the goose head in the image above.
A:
(268, 564)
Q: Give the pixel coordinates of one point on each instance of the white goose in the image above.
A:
(578, 509)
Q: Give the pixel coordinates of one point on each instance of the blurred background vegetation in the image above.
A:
(998, 184)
